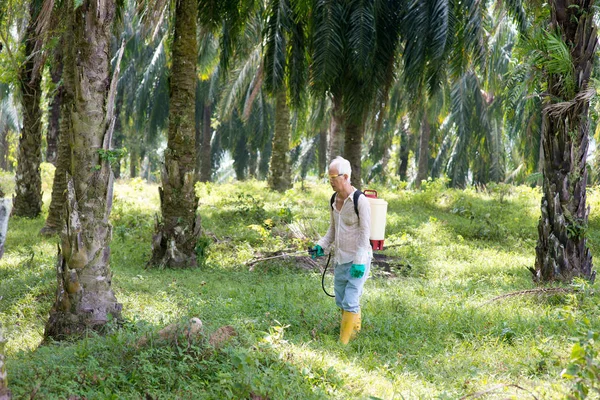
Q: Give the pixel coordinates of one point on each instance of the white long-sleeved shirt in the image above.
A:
(348, 233)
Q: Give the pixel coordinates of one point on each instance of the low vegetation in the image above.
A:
(434, 326)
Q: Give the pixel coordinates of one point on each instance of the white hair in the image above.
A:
(342, 165)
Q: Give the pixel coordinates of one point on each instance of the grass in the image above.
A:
(429, 330)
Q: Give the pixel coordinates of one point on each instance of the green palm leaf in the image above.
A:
(275, 47)
(361, 37)
(328, 44)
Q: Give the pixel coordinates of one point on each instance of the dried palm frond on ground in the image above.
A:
(537, 291)
(381, 265)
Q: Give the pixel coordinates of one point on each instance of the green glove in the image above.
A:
(357, 270)
(316, 251)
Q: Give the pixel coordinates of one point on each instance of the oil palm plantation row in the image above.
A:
(421, 77)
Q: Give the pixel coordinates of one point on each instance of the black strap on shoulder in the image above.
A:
(332, 200)
(357, 194)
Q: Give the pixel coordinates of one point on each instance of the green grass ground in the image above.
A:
(429, 329)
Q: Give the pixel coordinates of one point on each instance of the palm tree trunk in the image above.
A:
(280, 171)
(84, 296)
(4, 149)
(53, 134)
(561, 251)
(118, 136)
(54, 220)
(403, 152)
(336, 136)
(322, 153)
(205, 162)
(28, 181)
(496, 152)
(252, 163)
(176, 235)
(352, 150)
(423, 164)
(265, 157)
(133, 161)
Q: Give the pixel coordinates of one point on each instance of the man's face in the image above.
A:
(336, 180)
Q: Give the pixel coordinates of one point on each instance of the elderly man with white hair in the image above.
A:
(349, 234)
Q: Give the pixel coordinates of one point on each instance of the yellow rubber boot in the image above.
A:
(350, 326)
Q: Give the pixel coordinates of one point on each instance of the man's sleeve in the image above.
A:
(326, 240)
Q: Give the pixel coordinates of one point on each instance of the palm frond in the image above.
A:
(517, 11)
(9, 116)
(473, 33)
(361, 37)
(152, 15)
(208, 55)
(297, 68)
(559, 63)
(328, 44)
(238, 84)
(276, 44)
(462, 106)
(449, 136)
(253, 90)
(308, 155)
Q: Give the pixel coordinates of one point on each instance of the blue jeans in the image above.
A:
(348, 289)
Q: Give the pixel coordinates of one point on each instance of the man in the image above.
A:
(349, 233)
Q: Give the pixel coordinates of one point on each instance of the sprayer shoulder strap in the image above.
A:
(357, 194)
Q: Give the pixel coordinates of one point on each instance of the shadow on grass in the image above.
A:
(118, 366)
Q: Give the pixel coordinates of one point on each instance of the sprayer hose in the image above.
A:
(323, 277)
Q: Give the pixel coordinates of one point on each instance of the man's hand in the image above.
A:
(357, 270)
(316, 251)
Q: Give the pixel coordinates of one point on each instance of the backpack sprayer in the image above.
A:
(376, 229)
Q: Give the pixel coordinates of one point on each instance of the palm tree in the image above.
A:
(285, 69)
(175, 240)
(562, 252)
(353, 55)
(466, 57)
(84, 297)
(28, 188)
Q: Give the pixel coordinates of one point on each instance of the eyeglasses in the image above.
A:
(332, 177)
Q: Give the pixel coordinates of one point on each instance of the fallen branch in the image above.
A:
(494, 388)
(544, 291)
(257, 260)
